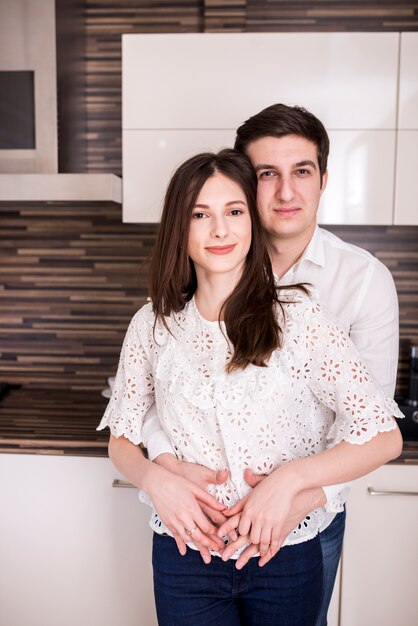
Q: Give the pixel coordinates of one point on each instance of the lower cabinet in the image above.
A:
(73, 550)
(380, 553)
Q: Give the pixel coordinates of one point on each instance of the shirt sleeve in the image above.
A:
(155, 439)
(375, 329)
(341, 380)
(133, 390)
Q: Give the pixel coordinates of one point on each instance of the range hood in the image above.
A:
(29, 170)
(60, 188)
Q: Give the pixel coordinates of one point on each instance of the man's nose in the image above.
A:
(285, 189)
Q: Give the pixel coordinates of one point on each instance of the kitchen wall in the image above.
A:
(71, 276)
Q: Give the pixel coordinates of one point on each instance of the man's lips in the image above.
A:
(220, 249)
(286, 211)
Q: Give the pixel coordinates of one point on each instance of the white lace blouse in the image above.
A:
(315, 392)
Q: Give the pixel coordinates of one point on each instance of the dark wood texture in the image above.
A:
(331, 15)
(71, 88)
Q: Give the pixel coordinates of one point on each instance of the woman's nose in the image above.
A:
(219, 228)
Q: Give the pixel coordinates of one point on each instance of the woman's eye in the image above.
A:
(198, 216)
(236, 212)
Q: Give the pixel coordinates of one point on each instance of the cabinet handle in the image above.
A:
(123, 484)
(373, 492)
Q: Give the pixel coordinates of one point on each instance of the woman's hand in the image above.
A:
(176, 502)
(174, 497)
(200, 476)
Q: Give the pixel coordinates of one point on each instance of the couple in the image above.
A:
(265, 407)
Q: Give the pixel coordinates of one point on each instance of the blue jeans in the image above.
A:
(287, 591)
(331, 543)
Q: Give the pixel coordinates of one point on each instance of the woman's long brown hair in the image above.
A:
(250, 312)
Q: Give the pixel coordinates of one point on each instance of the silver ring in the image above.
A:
(190, 532)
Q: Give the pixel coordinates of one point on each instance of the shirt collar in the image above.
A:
(314, 251)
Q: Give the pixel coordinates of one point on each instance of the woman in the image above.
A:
(238, 370)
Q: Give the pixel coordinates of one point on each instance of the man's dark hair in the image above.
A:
(279, 120)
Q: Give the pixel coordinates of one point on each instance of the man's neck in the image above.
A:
(285, 252)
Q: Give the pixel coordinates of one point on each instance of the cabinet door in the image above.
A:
(149, 160)
(73, 550)
(217, 80)
(406, 197)
(408, 82)
(360, 178)
(380, 556)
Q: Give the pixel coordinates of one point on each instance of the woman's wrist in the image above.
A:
(292, 475)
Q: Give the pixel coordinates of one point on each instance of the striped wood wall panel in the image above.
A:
(72, 277)
(331, 15)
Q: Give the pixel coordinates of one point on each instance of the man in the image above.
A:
(288, 148)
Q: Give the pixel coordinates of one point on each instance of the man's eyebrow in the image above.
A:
(263, 166)
(307, 162)
(267, 166)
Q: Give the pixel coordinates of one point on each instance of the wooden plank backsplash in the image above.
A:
(71, 278)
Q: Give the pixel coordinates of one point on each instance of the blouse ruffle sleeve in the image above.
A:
(133, 391)
(341, 380)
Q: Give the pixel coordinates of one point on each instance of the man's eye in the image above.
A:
(267, 174)
(303, 171)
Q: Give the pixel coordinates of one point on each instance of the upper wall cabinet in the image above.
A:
(186, 93)
(356, 192)
(218, 80)
(408, 82)
(150, 157)
(406, 196)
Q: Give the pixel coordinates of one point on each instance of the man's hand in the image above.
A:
(301, 504)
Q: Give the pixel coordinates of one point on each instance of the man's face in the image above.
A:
(289, 185)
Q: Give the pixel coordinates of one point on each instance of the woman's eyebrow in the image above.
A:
(231, 202)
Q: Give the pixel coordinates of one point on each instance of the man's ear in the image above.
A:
(324, 181)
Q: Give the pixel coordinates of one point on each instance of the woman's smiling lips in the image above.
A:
(221, 249)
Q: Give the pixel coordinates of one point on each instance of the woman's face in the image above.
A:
(220, 228)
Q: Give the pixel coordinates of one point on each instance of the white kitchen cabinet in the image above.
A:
(149, 160)
(73, 550)
(360, 178)
(406, 197)
(380, 554)
(408, 82)
(217, 80)
(186, 93)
